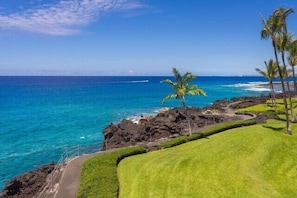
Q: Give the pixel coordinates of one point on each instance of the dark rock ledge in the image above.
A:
(28, 184)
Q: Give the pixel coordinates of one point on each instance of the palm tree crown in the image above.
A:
(182, 87)
(270, 74)
(292, 57)
(271, 70)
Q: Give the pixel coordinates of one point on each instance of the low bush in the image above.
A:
(206, 132)
(226, 126)
(99, 174)
(173, 142)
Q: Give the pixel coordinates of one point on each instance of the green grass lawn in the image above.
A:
(252, 161)
(268, 107)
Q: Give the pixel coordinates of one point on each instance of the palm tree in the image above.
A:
(292, 59)
(283, 42)
(182, 88)
(274, 25)
(270, 74)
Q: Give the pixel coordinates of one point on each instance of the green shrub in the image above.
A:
(99, 174)
(173, 142)
(195, 136)
(226, 126)
(207, 132)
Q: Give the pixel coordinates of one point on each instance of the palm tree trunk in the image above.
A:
(293, 117)
(289, 131)
(272, 95)
(294, 79)
(187, 117)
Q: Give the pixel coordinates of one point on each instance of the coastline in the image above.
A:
(217, 106)
(124, 105)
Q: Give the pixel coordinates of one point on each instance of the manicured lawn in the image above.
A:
(268, 107)
(252, 161)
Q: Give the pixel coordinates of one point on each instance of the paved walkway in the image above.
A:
(69, 182)
(69, 185)
(70, 179)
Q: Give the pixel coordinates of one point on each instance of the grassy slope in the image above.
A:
(246, 162)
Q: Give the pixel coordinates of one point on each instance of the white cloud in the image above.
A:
(66, 17)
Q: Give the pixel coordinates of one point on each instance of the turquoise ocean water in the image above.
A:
(41, 116)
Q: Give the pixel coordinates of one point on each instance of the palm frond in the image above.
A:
(263, 73)
(181, 87)
(265, 32)
(194, 90)
(188, 77)
(170, 96)
(177, 75)
(168, 81)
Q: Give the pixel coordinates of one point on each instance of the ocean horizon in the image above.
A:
(42, 115)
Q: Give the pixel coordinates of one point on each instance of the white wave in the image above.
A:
(134, 81)
(161, 110)
(135, 119)
(252, 86)
(140, 81)
(249, 84)
(258, 89)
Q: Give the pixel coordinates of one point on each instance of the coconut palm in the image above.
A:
(292, 59)
(272, 26)
(270, 74)
(182, 88)
(283, 42)
(281, 14)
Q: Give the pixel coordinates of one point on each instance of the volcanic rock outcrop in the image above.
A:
(171, 123)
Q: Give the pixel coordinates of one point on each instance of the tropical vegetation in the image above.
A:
(275, 28)
(182, 87)
(292, 59)
(270, 74)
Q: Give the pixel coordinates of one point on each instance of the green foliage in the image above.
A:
(174, 142)
(182, 86)
(99, 174)
(249, 161)
(226, 126)
(206, 132)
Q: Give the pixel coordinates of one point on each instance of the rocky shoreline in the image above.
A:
(166, 124)
(173, 123)
(28, 184)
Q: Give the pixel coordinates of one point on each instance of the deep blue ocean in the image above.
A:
(41, 116)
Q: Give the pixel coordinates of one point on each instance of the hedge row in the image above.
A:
(207, 132)
(99, 174)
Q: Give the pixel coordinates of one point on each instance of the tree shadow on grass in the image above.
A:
(276, 129)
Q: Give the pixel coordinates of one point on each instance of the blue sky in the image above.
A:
(135, 37)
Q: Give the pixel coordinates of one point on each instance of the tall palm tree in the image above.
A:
(270, 74)
(283, 42)
(292, 59)
(182, 88)
(272, 26)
